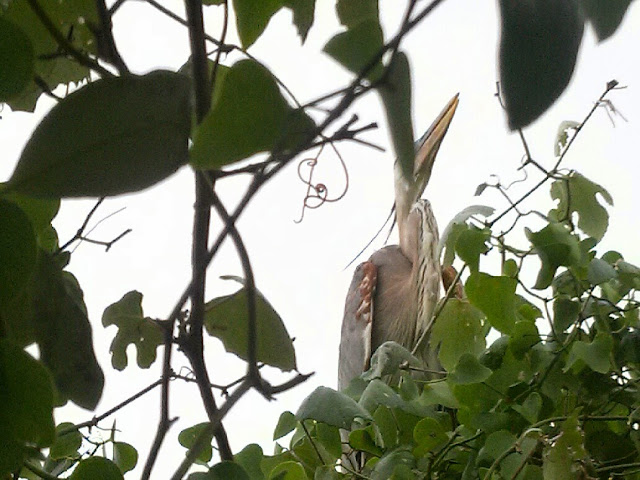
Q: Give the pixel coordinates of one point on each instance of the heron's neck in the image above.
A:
(426, 273)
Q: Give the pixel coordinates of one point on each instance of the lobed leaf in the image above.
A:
(495, 296)
(556, 247)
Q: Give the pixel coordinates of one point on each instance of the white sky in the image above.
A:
(299, 267)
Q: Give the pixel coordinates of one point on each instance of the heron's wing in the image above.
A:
(355, 341)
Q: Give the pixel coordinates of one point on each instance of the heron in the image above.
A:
(393, 294)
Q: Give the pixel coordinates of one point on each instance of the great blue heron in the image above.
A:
(393, 294)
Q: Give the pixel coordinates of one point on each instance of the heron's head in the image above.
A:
(409, 191)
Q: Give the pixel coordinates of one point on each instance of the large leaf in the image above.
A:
(356, 48)
(16, 60)
(578, 194)
(252, 17)
(596, 354)
(303, 15)
(353, 12)
(113, 136)
(458, 330)
(63, 333)
(227, 318)
(495, 296)
(26, 405)
(539, 45)
(605, 15)
(331, 407)
(469, 370)
(396, 99)
(93, 468)
(250, 115)
(133, 328)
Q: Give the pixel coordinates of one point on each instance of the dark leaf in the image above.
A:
(227, 318)
(356, 48)
(188, 436)
(352, 12)
(125, 456)
(250, 458)
(605, 15)
(113, 136)
(252, 17)
(303, 15)
(248, 116)
(556, 247)
(64, 335)
(16, 60)
(67, 444)
(93, 468)
(539, 45)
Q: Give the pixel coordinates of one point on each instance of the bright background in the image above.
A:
(300, 266)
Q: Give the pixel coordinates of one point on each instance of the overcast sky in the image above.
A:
(300, 266)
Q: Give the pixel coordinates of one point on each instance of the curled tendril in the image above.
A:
(318, 193)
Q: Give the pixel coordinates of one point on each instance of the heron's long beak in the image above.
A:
(409, 191)
(427, 148)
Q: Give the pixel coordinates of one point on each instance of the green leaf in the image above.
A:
(133, 328)
(605, 15)
(227, 318)
(428, 435)
(356, 48)
(495, 296)
(385, 421)
(597, 354)
(471, 244)
(40, 212)
(562, 137)
(493, 356)
(385, 468)
(249, 116)
(396, 99)
(286, 424)
(524, 336)
(288, 471)
(17, 251)
(576, 193)
(458, 330)
(188, 436)
(539, 44)
(331, 407)
(556, 247)
(530, 408)
(67, 444)
(63, 333)
(250, 458)
(26, 405)
(16, 60)
(379, 393)
(469, 370)
(495, 445)
(93, 468)
(352, 12)
(559, 457)
(125, 456)
(303, 15)
(455, 227)
(600, 272)
(329, 438)
(252, 17)
(227, 471)
(113, 136)
(438, 393)
(387, 359)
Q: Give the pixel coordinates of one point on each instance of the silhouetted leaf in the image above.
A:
(303, 15)
(331, 407)
(17, 251)
(26, 405)
(64, 335)
(133, 328)
(495, 296)
(562, 137)
(93, 468)
(456, 226)
(113, 136)
(605, 15)
(252, 17)
(353, 12)
(471, 243)
(16, 60)
(226, 471)
(539, 45)
(356, 48)
(248, 116)
(188, 436)
(227, 318)
(396, 98)
(67, 444)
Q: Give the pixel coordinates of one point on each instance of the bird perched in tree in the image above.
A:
(393, 294)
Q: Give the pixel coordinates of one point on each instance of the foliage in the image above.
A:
(554, 395)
